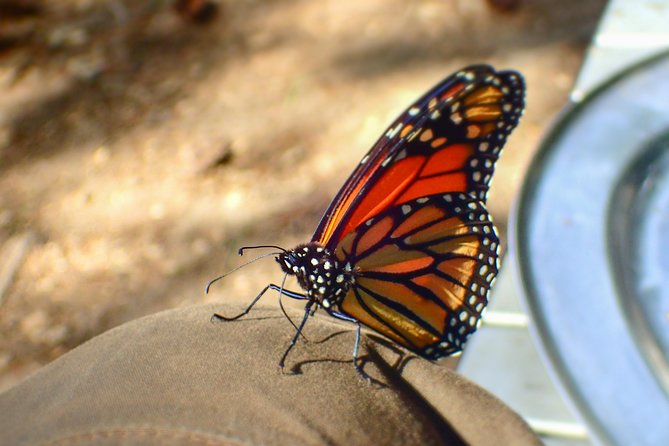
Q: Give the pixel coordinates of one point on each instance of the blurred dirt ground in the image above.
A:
(142, 143)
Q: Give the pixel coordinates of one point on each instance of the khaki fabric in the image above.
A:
(177, 378)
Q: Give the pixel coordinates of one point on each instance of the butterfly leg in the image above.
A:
(357, 366)
(307, 312)
(291, 294)
(287, 293)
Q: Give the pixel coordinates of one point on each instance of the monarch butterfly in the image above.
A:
(407, 247)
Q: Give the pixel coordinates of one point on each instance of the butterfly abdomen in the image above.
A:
(324, 279)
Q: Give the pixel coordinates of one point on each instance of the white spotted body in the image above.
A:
(319, 274)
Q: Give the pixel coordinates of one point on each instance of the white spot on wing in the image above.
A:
(392, 132)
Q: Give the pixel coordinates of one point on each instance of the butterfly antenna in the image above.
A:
(244, 248)
(206, 290)
(283, 310)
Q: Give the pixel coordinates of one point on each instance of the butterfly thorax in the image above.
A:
(318, 272)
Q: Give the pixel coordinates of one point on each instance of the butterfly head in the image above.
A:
(318, 272)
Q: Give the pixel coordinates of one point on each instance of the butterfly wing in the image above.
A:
(422, 271)
(447, 141)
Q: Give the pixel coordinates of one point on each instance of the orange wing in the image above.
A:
(422, 271)
(448, 141)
